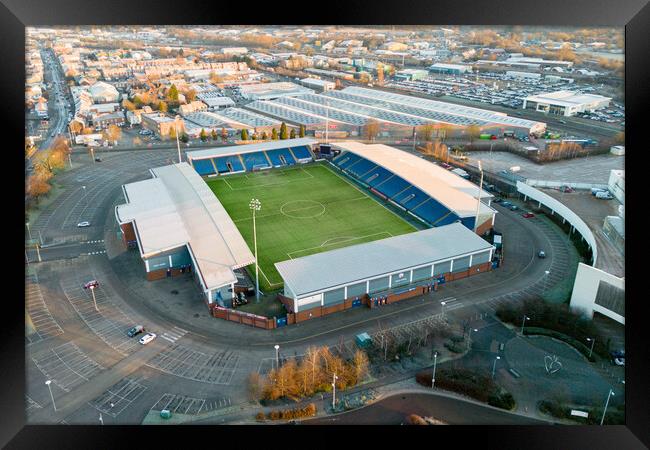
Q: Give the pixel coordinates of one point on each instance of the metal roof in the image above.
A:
(248, 148)
(323, 271)
(567, 98)
(454, 192)
(178, 208)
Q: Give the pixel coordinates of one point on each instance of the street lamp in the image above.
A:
(334, 378)
(593, 341)
(92, 291)
(255, 205)
(611, 392)
(101, 420)
(494, 366)
(178, 145)
(469, 335)
(433, 377)
(277, 356)
(29, 233)
(523, 322)
(48, 382)
(478, 198)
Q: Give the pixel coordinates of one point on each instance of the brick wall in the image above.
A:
(156, 275)
(128, 233)
(484, 227)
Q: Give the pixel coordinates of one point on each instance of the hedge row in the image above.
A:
(582, 348)
(615, 415)
(288, 414)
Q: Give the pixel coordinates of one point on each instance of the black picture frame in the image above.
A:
(634, 15)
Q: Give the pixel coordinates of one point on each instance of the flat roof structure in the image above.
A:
(177, 208)
(454, 192)
(205, 119)
(567, 98)
(248, 148)
(355, 106)
(264, 91)
(323, 271)
(245, 119)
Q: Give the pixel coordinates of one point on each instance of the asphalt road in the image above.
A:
(394, 411)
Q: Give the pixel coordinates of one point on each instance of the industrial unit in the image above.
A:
(565, 103)
(179, 226)
(380, 268)
(351, 108)
(270, 91)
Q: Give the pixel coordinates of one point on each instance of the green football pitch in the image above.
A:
(305, 210)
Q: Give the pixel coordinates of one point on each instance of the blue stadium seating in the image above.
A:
(301, 152)
(392, 186)
(376, 176)
(274, 156)
(203, 166)
(222, 167)
(411, 198)
(346, 162)
(361, 167)
(255, 160)
(431, 211)
(450, 218)
(468, 222)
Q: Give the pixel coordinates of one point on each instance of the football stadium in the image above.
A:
(355, 224)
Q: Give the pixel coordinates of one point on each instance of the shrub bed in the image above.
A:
(614, 416)
(296, 413)
(454, 348)
(471, 384)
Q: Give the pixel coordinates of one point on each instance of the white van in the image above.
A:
(605, 195)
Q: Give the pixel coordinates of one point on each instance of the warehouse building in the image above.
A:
(319, 85)
(565, 103)
(179, 226)
(271, 91)
(453, 69)
(392, 268)
(351, 108)
(411, 75)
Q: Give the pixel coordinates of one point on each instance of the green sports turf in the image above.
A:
(305, 210)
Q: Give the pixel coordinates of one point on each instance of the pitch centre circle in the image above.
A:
(302, 209)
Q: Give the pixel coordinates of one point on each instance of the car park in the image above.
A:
(144, 340)
(134, 331)
(83, 224)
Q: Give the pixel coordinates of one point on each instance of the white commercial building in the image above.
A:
(271, 91)
(565, 103)
(315, 83)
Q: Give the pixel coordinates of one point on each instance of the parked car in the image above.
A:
(541, 254)
(506, 204)
(566, 189)
(446, 166)
(528, 215)
(605, 195)
(144, 340)
(98, 159)
(514, 207)
(83, 224)
(619, 361)
(135, 331)
(497, 200)
(91, 283)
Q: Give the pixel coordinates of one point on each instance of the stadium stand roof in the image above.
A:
(177, 208)
(322, 271)
(248, 148)
(454, 192)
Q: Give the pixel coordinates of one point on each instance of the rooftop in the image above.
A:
(177, 208)
(359, 262)
(567, 98)
(248, 148)
(454, 192)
